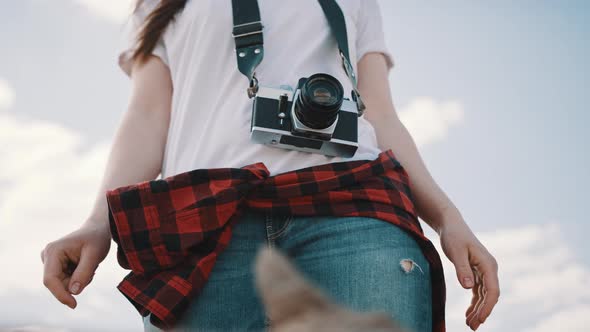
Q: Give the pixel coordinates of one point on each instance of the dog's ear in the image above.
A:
(284, 291)
(295, 304)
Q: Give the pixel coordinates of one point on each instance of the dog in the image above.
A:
(295, 304)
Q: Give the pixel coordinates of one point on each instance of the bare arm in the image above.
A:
(374, 87)
(475, 266)
(135, 156)
(138, 146)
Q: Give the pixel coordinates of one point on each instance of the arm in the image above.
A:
(138, 147)
(136, 155)
(431, 202)
(475, 267)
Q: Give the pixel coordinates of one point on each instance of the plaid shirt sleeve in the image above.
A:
(170, 231)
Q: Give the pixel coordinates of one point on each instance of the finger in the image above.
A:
(53, 279)
(482, 291)
(473, 301)
(492, 291)
(472, 306)
(480, 299)
(463, 269)
(474, 321)
(84, 271)
(44, 252)
(475, 296)
(472, 317)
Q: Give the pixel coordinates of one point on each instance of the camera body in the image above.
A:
(315, 117)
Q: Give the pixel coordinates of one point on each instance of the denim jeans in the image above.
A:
(355, 260)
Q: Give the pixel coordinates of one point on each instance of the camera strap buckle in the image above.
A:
(253, 87)
(359, 102)
(355, 93)
(247, 29)
(348, 68)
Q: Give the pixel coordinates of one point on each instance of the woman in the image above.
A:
(189, 105)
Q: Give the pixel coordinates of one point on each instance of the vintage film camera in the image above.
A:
(314, 118)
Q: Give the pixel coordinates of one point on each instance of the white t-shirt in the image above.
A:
(211, 112)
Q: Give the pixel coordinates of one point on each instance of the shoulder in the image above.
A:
(369, 7)
(360, 11)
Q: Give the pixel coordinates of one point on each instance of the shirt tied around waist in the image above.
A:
(169, 232)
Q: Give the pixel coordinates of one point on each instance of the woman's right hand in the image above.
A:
(73, 259)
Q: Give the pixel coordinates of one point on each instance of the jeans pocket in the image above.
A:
(284, 227)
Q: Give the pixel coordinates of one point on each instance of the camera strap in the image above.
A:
(247, 33)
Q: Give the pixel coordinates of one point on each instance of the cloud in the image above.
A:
(428, 120)
(113, 10)
(7, 95)
(48, 181)
(570, 319)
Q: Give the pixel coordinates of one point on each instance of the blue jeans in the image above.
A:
(356, 260)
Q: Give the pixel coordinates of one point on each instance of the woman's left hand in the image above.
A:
(476, 268)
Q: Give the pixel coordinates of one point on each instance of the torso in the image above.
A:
(211, 112)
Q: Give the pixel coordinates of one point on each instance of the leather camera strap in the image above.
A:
(247, 33)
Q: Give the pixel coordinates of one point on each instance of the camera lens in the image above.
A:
(319, 101)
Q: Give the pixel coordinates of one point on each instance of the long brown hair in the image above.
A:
(155, 24)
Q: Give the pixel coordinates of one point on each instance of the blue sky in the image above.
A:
(521, 75)
(494, 94)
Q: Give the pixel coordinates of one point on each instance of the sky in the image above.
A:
(494, 95)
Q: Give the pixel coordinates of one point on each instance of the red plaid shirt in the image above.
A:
(169, 232)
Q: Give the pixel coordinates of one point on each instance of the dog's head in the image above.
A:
(296, 305)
